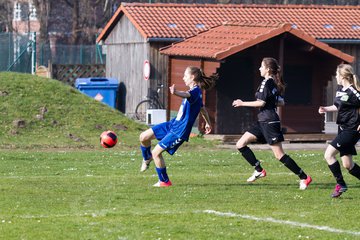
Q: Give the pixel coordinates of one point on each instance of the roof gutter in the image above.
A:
(155, 39)
(338, 41)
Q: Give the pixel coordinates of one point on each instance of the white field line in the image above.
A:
(282, 222)
(103, 212)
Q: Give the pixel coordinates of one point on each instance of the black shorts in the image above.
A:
(345, 142)
(267, 132)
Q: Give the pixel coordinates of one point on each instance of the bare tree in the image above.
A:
(6, 16)
(75, 29)
(43, 8)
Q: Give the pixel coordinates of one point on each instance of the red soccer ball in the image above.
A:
(108, 139)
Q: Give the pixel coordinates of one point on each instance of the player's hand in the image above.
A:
(358, 128)
(207, 128)
(172, 89)
(237, 103)
(322, 110)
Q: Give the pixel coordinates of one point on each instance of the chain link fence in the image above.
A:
(16, 51)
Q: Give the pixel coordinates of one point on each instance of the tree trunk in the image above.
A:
(75, 28)
(43, 8)
(75, 23)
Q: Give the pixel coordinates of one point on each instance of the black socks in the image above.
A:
(291, 164)
(336, 171)
(355, 171)
(250, 157)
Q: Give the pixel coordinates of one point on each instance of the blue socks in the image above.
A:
(146, 153)
(163, 177)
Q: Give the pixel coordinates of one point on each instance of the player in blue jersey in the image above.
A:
(173, 133)
(268, 127)
(347, 104)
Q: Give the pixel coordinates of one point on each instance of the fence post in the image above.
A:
(9, 51)
(98, 51)
(33, 53)
(81, 54)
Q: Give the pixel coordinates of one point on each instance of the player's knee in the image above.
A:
(156, 153)
(327, 156)
(347, 165)
(143, 137)
(240, 144)
(278, 156)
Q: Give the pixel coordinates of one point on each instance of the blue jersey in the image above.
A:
(188, 112)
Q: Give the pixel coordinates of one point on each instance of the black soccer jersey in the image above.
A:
(268, 93)
(347, 102)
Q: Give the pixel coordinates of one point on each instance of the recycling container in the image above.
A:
(101, 89)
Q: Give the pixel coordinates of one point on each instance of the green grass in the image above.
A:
(100, 194)
(54, 186)
(72, 119)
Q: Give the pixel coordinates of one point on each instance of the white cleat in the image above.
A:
(304, 183)
(256, 175)
(145, 165)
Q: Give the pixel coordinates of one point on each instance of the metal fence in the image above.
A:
(17, 51)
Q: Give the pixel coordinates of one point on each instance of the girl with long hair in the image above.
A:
(268, 127)
(173, 133)
(347, 104)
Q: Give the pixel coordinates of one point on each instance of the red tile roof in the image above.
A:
(230, 38)
(161, 20)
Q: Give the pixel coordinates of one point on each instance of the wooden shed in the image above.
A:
(235, 51)
(137, 31)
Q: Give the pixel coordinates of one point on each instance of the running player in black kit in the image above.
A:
(268, 127)
(347, 104)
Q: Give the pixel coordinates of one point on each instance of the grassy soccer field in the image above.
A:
(100, 194)
(56, 182)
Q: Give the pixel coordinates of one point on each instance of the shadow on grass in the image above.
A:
(274, 185)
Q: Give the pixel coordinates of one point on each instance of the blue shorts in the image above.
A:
(167, 140)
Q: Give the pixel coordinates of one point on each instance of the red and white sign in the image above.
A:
(98, 97)
(146, 70)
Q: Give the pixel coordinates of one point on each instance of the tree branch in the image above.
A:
(69, 3)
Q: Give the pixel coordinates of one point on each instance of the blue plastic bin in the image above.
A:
(101, 89)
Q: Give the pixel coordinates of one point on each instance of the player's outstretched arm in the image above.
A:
(204, 113)
(331, 108)
(240, 103)
(181, 94)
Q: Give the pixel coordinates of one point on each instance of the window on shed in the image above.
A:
(32, 11)
(17, 11)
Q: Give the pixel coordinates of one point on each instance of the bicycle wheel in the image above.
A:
(140, 110)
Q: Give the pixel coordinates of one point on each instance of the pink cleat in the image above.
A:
(339, 189)
(304, 183)
(162, 184)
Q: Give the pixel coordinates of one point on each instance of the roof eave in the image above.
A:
(224, 54)
(322, 45)
(110, 25)
(339, 41)
(164, 39)
(114, 20)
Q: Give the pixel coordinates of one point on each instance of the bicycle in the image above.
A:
(152, 102)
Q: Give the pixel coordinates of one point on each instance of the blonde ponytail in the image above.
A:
(347, 72)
